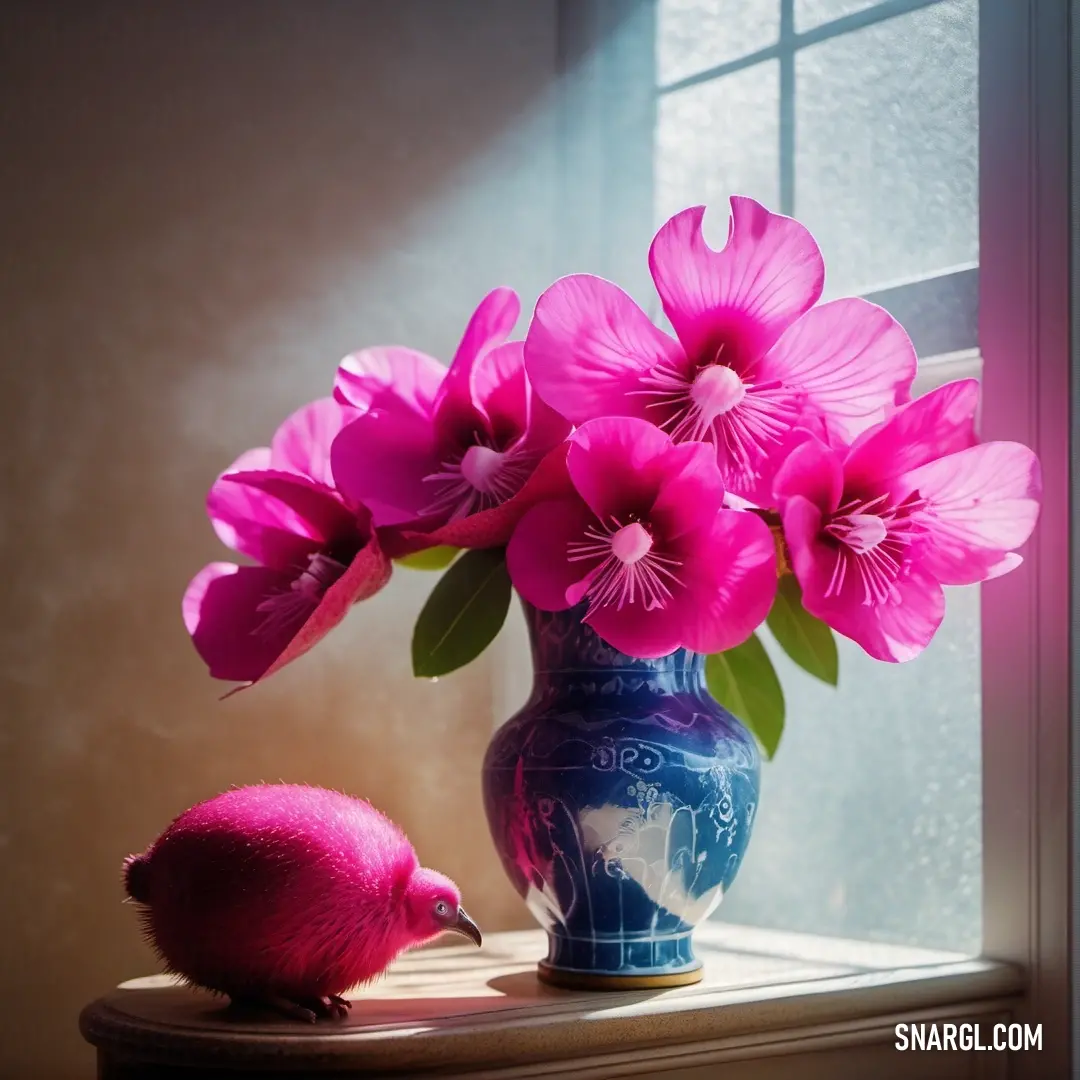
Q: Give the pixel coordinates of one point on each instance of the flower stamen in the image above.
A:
(715, 391)
(478, 478)
(714, 404)
(291, 606)
(872, 540)
(630, 569)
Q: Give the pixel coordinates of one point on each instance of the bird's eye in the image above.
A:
(442, 908)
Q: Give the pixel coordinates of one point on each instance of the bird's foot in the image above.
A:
(305, 1009)
(334, 1007)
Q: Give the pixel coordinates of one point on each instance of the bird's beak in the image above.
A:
(464, 925)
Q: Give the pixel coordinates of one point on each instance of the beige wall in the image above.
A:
(203, 206)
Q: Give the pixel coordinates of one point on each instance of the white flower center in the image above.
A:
(631, 543)
(861, 532)
(716, 391)
(481, 466)
(874, 536)
(478, 478)
(712, 404)
(625, 567)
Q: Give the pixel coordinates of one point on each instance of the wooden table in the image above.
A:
(771, 1005)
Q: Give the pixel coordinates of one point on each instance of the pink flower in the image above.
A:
(641, 538)
(752, 357)
(433, 447)
(317, 555)
(875, 530)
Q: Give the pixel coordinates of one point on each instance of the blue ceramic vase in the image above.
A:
(620, 799)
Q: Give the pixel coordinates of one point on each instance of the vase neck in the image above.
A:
(561, 642)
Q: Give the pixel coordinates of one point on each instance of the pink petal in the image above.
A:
(636, 632)
(503, 392)
(692, 491)
(545, 427)
(811, 471)
(761, 492)
(744, 296)
(302, 443)
(390, 378)
(588, 346)
(250, 523)
(895, 631)
(536, 557)
(906, 626)
(229, 633)
(319, 510)
(1005, 565)
(851, 358)
(488, 528)
(729, 576)
(489, 326)
(234, 638)
(251, 461)
(262, 528)
(617, 466)
(938, 423)
(380, 461)
(727, 585)
(368, 573)
(811, 558)
(982, 503)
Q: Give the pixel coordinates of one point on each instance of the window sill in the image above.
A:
(764, 994)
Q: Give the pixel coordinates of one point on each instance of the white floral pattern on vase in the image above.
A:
(621, 799)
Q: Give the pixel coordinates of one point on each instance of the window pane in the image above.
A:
(694, 35)
(886, 169)
(869, 824)
(717, 139)
(811, 13)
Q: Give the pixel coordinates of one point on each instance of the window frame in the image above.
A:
(1024, 339)
(1019, 296)
(926, 305)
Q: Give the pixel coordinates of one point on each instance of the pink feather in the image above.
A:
(288, 896)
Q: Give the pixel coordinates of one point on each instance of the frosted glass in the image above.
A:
(811, 13)
(694, 35)
(886, 162)
(869, 824)
(718, 139)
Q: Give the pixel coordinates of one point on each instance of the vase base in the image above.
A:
(591, 980)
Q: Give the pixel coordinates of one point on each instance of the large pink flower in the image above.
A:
(752, 357)
(642, 539)
(874, 531)
(318, 555)
(432, 447)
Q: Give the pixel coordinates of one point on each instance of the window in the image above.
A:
(864, 126)
(861, 120)
(929, 801)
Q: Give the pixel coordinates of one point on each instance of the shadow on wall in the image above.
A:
(203, 208)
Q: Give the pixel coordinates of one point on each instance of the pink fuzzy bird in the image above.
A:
(286, 896)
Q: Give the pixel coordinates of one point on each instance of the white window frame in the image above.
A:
(1019, 299)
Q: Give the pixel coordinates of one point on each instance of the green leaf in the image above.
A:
(432, 558)
(744, 681)
(806, 639)
(464, 612)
